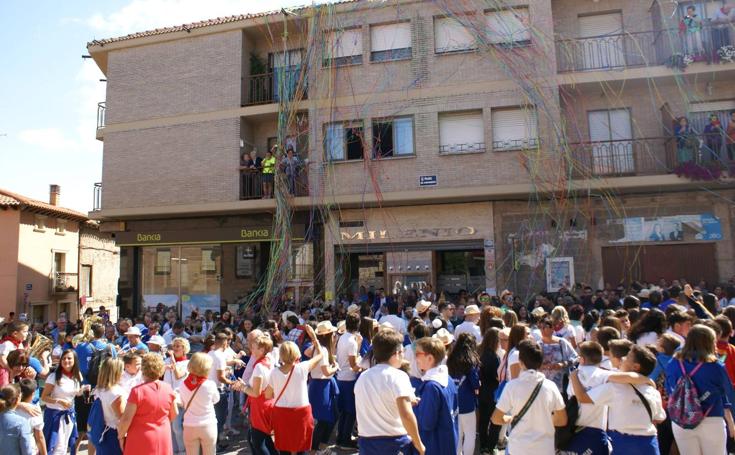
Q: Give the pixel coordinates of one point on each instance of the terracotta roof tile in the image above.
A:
(9, 199)
(201, 24)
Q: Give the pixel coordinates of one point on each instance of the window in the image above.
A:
(390, 42)
(344, 47)
(393, 137)
(451, 36)
(163, 262)
(302, 262)
(60, 227)
(514, 129)
(461, 132)
(509, 26)
(85, 281)
(343, 141)
(209, 265)
(59, 262)
(40, 223)
(611, 133)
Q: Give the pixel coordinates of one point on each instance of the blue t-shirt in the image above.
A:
(85, 351)
(713, 385)
(38, 368)
(466, 387)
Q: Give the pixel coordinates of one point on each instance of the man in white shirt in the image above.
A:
(348, 353)
(177, 330)
(471, 319)
(387, 425)
(393, 319)
(220, 374)
(131, 374)
(532, 431)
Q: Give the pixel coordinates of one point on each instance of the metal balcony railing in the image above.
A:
(65, 282)
(97, 197)
(280, 84)
(650, 48)
(251, 183)
(101, 111)
(626, 157)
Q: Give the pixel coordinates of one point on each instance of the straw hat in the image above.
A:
(387, 325)
(354, 308)
(325, 327)
(471, 309)
(538, 312)
(422, 306)
(341, 327)
(444, 336)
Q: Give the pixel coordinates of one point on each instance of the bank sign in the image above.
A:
(221, 235)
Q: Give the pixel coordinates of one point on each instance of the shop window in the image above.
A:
(344, 141)
(390, 42)
(163, 261)
(450, 35)
(509, 27)
(461, 132)
(514, 129)
(343, 47)
(458, 270)
(39, 222)
(85, 281)
(209, 265)
(393, 137)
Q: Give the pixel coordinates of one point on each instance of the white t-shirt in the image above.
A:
(296, 394)
(347, 346)
(471, 328)
(317, 373)
(381, 386)
(36, 424)
(170, 378)
(512, 360)
(396, 322)
(107, 396)
(127, 382)
(169, 336)
(6, 347)
(201, 410)
(646, 339)
(408, 355)
(626, 412)
(591, 415)
(64, 389)
(534, 433)
(263, 372)
(219, 362)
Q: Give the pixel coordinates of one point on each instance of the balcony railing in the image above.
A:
(650, 156)
(101, 110)
(281, 84)
(97, 197)
(65, 282)
(251, 183)
(651, 48)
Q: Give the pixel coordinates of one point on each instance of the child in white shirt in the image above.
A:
(27, 390)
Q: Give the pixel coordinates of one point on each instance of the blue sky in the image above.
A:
(49, 94)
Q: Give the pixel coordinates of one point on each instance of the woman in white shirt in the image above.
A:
(59, 418)
(198, 396)
(323, 386)
(111, 396)
(293, 423)
(176, 371)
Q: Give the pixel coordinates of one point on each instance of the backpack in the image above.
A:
(685, 406)
(563, 435)
(93, 367)
(96, 423)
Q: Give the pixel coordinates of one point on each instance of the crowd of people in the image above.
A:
(642, 370)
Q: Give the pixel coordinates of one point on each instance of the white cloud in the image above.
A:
(141, 15)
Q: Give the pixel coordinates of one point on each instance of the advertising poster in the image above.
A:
(152, 300)
(199, 303)
(671, 228)
(559, 273)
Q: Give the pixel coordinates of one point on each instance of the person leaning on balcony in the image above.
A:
(269, 169)
(290, 165)
(686, 141)
(713, 133)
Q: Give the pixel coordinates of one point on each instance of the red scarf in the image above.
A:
(68, 374)
(180, 359)
(193, 381)
(16, 343)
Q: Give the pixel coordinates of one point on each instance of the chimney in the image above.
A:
(54, 194)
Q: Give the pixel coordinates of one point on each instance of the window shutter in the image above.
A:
(514, 128)
(508, 26)
(462, 131)
(620, 125)
(345, 43)
(450, 35)
(713, 106)
(334, 142)
(403, 136)
(600, 24)
(599, 124)
(391, 36)
(286, 59)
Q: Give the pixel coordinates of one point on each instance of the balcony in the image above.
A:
(650, 156)
(281, 84)
(64, 282)
(251, 183)
(97, 197)
(101, 110)
(636, 49)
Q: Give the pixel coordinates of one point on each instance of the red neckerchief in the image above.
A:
(180, 359)
(16, 343)
(67, 374)
(193, 381)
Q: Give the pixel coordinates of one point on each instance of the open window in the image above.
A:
(393, 137)
(343, 141)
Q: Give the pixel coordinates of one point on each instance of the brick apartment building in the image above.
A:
(453, 144)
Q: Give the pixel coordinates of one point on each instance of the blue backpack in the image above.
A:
(96, 423)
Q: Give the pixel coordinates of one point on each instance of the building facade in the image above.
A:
(464, 145)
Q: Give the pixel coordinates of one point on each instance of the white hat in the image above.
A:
(341, 327)
(354, 308)
(436, 323)
(471, 309)
(286, 314)
(386, 325)
(444, 336)
(157, 339)
(325, 327)
(422, 306)
(133, 331)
